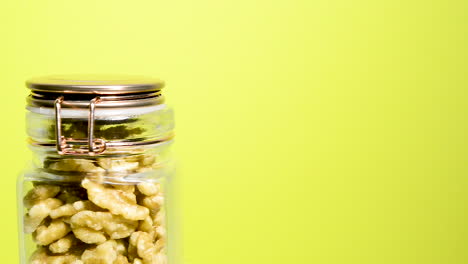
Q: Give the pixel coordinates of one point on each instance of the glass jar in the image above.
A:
(97, 188)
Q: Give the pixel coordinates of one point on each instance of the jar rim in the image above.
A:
(95, 84)
(40, 99)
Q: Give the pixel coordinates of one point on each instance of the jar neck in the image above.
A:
(136, 140)
(113, 131)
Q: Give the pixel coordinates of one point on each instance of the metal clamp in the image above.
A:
(71, 146)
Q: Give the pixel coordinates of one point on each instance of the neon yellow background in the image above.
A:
(307, 131)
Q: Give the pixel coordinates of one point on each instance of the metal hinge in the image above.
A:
(72, 146)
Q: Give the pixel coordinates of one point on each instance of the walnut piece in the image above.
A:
(104, 253)
(121, 260)
(161, 232)
(71, 209)
(146, 225)
(141, 243)
(146, 161)
(154, 202)
(63, 245)
(127, 190)
(117, 165)
(125, 187)
(114, 200)
(44, 235)
(160, 258)
(145, 247)
(40, 256)
(86, 205)
(121, 246)
(160, 245)
(132, 245)
(88, 235)
(137, 261)
(39, 212)
(113, 225)
(76, 165)
(64, 210)
(39, 193)
(148, 188)
(159, 218)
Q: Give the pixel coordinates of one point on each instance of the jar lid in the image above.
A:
(76, 92)
(95, 84)
(114, 91)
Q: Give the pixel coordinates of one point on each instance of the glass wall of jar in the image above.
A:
(96, 190)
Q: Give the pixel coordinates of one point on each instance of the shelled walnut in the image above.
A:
(116, 224)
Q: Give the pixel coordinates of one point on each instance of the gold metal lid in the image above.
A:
(114, 91)
(95, 84)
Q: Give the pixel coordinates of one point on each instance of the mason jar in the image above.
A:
(98, 190)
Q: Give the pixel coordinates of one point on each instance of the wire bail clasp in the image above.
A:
(71, 146)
